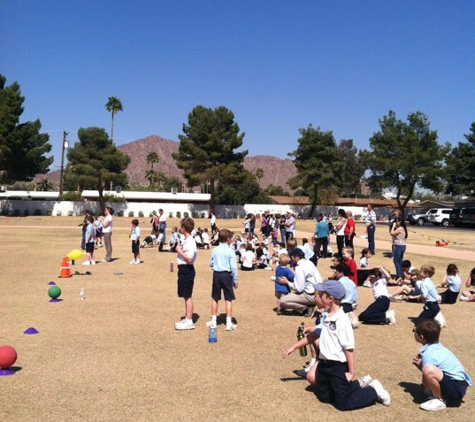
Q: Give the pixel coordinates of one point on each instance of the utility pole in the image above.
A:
(65, 145)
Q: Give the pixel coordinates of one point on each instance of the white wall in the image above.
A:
(65, 208)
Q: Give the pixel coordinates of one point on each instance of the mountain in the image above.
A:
(276, 171)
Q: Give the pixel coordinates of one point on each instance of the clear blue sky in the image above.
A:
(278, 65)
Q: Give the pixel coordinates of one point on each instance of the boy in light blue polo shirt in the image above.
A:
(442, 373)
(428, 294)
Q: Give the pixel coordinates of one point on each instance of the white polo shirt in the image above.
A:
(336, 337)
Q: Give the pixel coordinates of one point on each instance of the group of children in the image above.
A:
(331, 368)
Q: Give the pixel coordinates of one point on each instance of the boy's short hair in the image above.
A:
(284, 259)
(341, 268)
(188, 224)
(224, 235)
(135, 222)
(429, 329)
(406, 264)
(428, 269)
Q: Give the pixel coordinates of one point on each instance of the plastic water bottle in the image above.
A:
(300, 336)
(82, 294)
(212, 334)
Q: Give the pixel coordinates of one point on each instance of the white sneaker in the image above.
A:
(93, 262)
(132, 262)
(137, 262)
(184, 324)
(464, 298)
(211, 323)
(365, 381)
(230, 326)
(86, 263)
(367, 284)
(383, 395)
(272, 277)
(441, 320)
(391, 317)
(397, 299)
(433, 405)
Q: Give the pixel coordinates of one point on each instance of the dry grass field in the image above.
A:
(116, 356)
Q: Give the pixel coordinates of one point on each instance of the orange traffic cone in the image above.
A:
(65, 269)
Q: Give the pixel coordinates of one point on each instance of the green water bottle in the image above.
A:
(300, 336)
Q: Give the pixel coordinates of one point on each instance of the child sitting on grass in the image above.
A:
(336, 362)
(454, 284)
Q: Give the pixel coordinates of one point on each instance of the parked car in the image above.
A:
(464, 217)
(418, 217)
(440, 216)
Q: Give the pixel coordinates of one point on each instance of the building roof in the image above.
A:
(354, 202)
(131, 196)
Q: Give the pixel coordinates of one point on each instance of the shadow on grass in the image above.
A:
(415, 390)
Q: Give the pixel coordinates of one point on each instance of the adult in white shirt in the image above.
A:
(107, 233)
(162, 221)
(302, 296)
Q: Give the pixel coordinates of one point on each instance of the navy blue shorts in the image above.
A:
(186, 280)
(452, 390)
(223, 282)
(135, 247)
(90, 247)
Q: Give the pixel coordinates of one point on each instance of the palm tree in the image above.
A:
(259, 174)
(152, 157)
(113, 105)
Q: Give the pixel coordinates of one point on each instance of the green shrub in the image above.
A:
(37, 212)
(178, 214)
(16, 213)
(72, 196)
(140, 213)
(131, 213)
(170, 215)
(120, 213)
(49, 213)
(70, 213)
(186, 215)
(58, 213)
(26, 213)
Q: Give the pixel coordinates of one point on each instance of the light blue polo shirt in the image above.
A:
(445, 360)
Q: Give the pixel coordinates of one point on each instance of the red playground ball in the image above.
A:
(54, 292)
(7, 357)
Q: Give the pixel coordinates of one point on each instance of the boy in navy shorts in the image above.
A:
(186, 256)
(225, 278)
(443, 376)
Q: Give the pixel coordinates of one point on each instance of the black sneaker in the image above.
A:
(301, 373)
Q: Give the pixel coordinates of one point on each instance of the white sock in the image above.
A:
(229, 320)
(214, 318)
(310, 364)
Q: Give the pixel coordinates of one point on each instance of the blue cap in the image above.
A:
(333, 288)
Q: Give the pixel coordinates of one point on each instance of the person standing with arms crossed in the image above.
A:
(107, 232)
(370, 227)
(225, 278)
(162, 221)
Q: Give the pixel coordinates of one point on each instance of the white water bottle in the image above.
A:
(82, 294)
